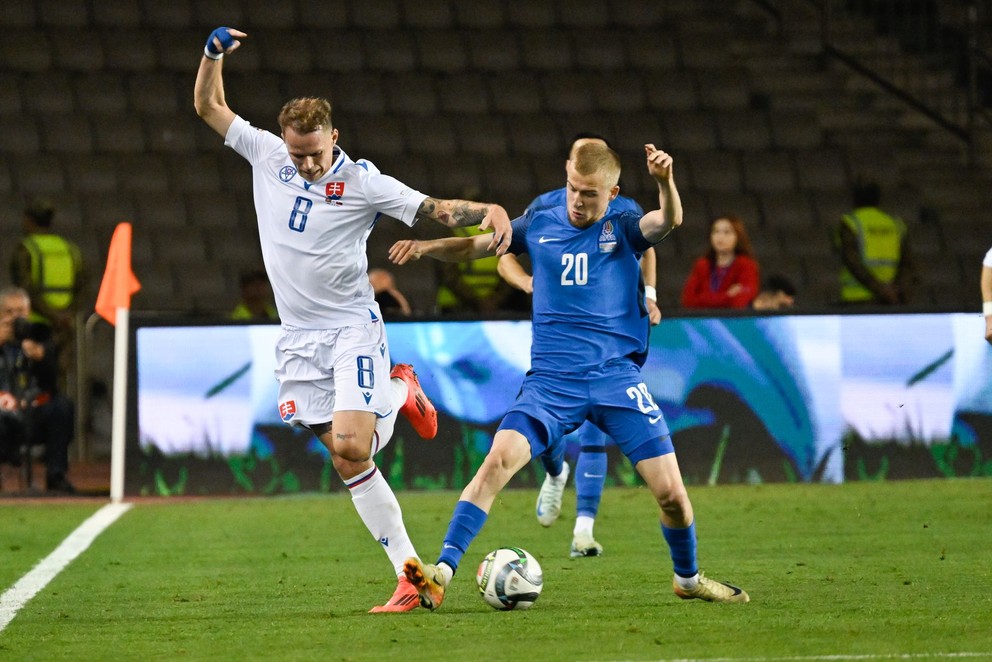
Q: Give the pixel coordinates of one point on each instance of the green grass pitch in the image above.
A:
(894, 570)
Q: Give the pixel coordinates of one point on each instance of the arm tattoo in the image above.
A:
(462, 214)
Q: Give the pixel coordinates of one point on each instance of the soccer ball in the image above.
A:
(509, 578)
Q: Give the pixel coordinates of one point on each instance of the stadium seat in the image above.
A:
(170, 14)
(434, 138)
(481, 134)
(715, 171)
(100, 93)
(18, 135)
(92, 173)
(158, 287)
(585, 14)
(768, 171)
(647, 53)
(743, 205)
(381, 15)
(672, 90)
(441, 51)
(822, 169)
(358, 93)
(785, 208)
(457, 176)
(374, 136)
(743, 129)
(130, 50)
(427, 14)
(66, 132)
(161, 212)
(120, 133)
(534, 134)
(102, 211)
(480, 15)
(26, 51)
(600, 49)
(269, 15)
(155, 93)
(631, 132)
(18, 14)
(693, 130)
(37, 173)
(217, 216)
(619, 93)
(193, 172)
(78, 50)
(63, 13)
(546, 50)
(514, 93)
(724, 88)
(172, 134)
(463, 93)
(795, 129)
(143, 173)
(532, 15)
(493, 50)
(280, 51)
(390, 50)
(116, 15)
(566, 92)
(48, 93)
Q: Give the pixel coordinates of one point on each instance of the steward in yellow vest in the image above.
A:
(874, 252)
(47, 265)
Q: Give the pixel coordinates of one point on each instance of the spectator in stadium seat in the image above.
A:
(33, 410)
(726, 276)
(256, 303)
(986, 285)
(315, 209)
(777, 293)
(877, 265)
(391, 301)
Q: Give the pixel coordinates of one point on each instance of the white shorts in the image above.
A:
(324, 371)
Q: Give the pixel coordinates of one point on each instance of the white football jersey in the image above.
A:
(314, 235)
(988, 259)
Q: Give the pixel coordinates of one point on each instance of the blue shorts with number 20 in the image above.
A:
(613, 397)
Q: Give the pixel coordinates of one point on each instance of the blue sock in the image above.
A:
(682, 545)
(590, 475)
(465, 524)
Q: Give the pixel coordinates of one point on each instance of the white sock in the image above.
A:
(446, 571)
(583, 524)
(384, 426)
(687, 583)
(380, 511)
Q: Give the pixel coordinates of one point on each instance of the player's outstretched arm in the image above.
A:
(463, 213)
(449, 249)
(656, 225)
(208, 92)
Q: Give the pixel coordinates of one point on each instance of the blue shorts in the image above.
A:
(613, 397)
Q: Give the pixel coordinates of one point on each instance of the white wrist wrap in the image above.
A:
(987, 308)
(651, 293)
(212, 56)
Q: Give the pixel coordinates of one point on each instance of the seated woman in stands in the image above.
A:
(726, 276)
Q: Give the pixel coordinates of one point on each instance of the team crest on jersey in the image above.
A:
(286, 173)
(607, 238)
(287, 410)
(333, 192)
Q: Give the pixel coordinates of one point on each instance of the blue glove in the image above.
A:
(226, 41)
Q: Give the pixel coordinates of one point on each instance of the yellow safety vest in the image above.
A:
(55, 264)
(481, 275)
(880, 239)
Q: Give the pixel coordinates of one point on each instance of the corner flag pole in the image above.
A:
(113, 303)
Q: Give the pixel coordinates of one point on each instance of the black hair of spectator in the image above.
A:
(253, 276)
(779, 283)
(40, 211)
(866, 193)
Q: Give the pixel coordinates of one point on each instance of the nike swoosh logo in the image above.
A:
(544, 240)
(654, 419)
(586, 474)
(447, 546)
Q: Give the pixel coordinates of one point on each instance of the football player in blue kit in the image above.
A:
(591, 464)
(590, 339)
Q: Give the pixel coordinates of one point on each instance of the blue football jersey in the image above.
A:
(588, 305)
(556, 198)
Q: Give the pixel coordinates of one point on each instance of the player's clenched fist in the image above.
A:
(659, 162)
(221, 41)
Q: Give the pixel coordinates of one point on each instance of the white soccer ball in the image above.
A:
(509, 578)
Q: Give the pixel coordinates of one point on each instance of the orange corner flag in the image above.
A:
(119, 282)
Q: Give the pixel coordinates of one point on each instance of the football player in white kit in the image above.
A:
(316, 208)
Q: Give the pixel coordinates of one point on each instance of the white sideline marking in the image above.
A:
(831, 658)
(32, 583)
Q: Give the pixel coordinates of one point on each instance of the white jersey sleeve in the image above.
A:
(987, 262)
(314, 234)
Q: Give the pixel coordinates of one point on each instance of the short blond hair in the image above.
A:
(593, 158)
(306, 114)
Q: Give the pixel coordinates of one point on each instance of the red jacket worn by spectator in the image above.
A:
(707, 287)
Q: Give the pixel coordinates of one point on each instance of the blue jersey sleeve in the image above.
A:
(518, 244)
(629, 224)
